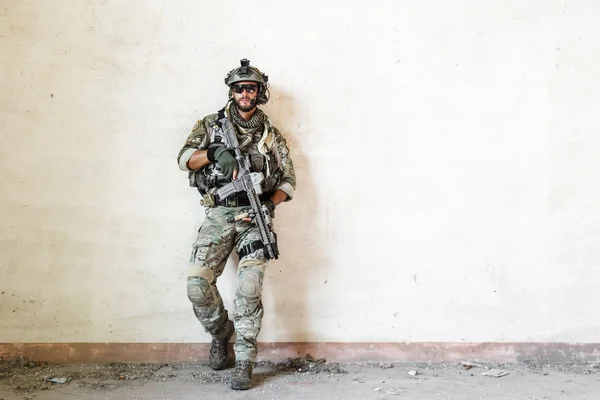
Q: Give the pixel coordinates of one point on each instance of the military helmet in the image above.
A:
(247, 73)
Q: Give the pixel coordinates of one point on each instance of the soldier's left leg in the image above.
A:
(247, 318)
(248, 308)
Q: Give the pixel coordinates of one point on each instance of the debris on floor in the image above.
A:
(313, 378)
(495, 373)
(468, 365)
(59, 381)
(309, 364)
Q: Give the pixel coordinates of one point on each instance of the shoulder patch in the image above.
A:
(196, 126)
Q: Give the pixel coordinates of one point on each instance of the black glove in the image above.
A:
(224, 156)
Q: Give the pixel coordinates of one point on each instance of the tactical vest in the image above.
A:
(210, 178)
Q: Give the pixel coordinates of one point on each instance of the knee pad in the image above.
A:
(247, 302)
(249, 283)
(199, 285)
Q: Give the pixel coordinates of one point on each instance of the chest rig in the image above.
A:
(210, 178)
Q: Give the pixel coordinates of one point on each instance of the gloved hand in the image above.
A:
(270, 206)
(222, 155)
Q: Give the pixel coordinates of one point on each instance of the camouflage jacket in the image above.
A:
(272, 145)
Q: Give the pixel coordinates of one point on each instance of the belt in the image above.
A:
(238, 201)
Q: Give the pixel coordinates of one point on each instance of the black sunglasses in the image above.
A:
(249, 88)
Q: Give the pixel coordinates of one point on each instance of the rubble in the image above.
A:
(27, 378)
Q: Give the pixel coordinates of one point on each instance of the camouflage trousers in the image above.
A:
(216, 239)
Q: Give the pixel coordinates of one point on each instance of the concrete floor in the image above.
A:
(300, 379)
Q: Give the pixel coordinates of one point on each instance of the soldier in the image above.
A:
(211, 165)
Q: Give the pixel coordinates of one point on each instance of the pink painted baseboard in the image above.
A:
(333, 352)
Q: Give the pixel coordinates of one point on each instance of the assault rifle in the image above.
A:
(249, 182)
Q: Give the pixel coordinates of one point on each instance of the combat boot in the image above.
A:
(219, 351)
(242, 375)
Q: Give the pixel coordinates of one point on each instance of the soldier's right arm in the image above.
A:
(192, 156)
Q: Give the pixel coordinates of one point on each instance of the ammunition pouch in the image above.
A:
(207, 200)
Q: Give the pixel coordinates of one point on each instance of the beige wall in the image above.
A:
(447, 154)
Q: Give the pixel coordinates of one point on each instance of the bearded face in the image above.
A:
(245, 95)
(245, 104)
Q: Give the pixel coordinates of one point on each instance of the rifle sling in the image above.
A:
(250, 248)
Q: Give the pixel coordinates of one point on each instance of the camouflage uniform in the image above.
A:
(217, 238)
